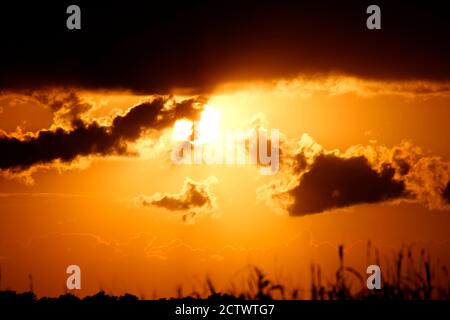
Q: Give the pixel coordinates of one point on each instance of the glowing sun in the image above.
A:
(205, 130)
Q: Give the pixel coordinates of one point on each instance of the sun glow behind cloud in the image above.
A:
(182, 130)
(206, 130)
(209, 125)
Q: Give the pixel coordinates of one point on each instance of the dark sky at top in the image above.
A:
(154, 46)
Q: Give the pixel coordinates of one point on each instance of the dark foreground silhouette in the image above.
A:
(404, 278)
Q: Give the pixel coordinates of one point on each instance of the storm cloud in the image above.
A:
(158, 46)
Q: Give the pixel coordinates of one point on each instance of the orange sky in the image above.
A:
(85, 212)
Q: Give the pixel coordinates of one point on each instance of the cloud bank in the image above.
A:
(158, 47)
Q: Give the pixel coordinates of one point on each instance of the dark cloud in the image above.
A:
(314, 180)
(195, 197)
(66, 105)
(334, 182)
(446, 193)
(91, 138)
(158, 46)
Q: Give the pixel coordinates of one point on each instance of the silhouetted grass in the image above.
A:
(403, 278)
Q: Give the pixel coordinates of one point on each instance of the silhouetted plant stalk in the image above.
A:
(403, 278)
(407, 280)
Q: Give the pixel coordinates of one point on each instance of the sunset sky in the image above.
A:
(87, 121)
